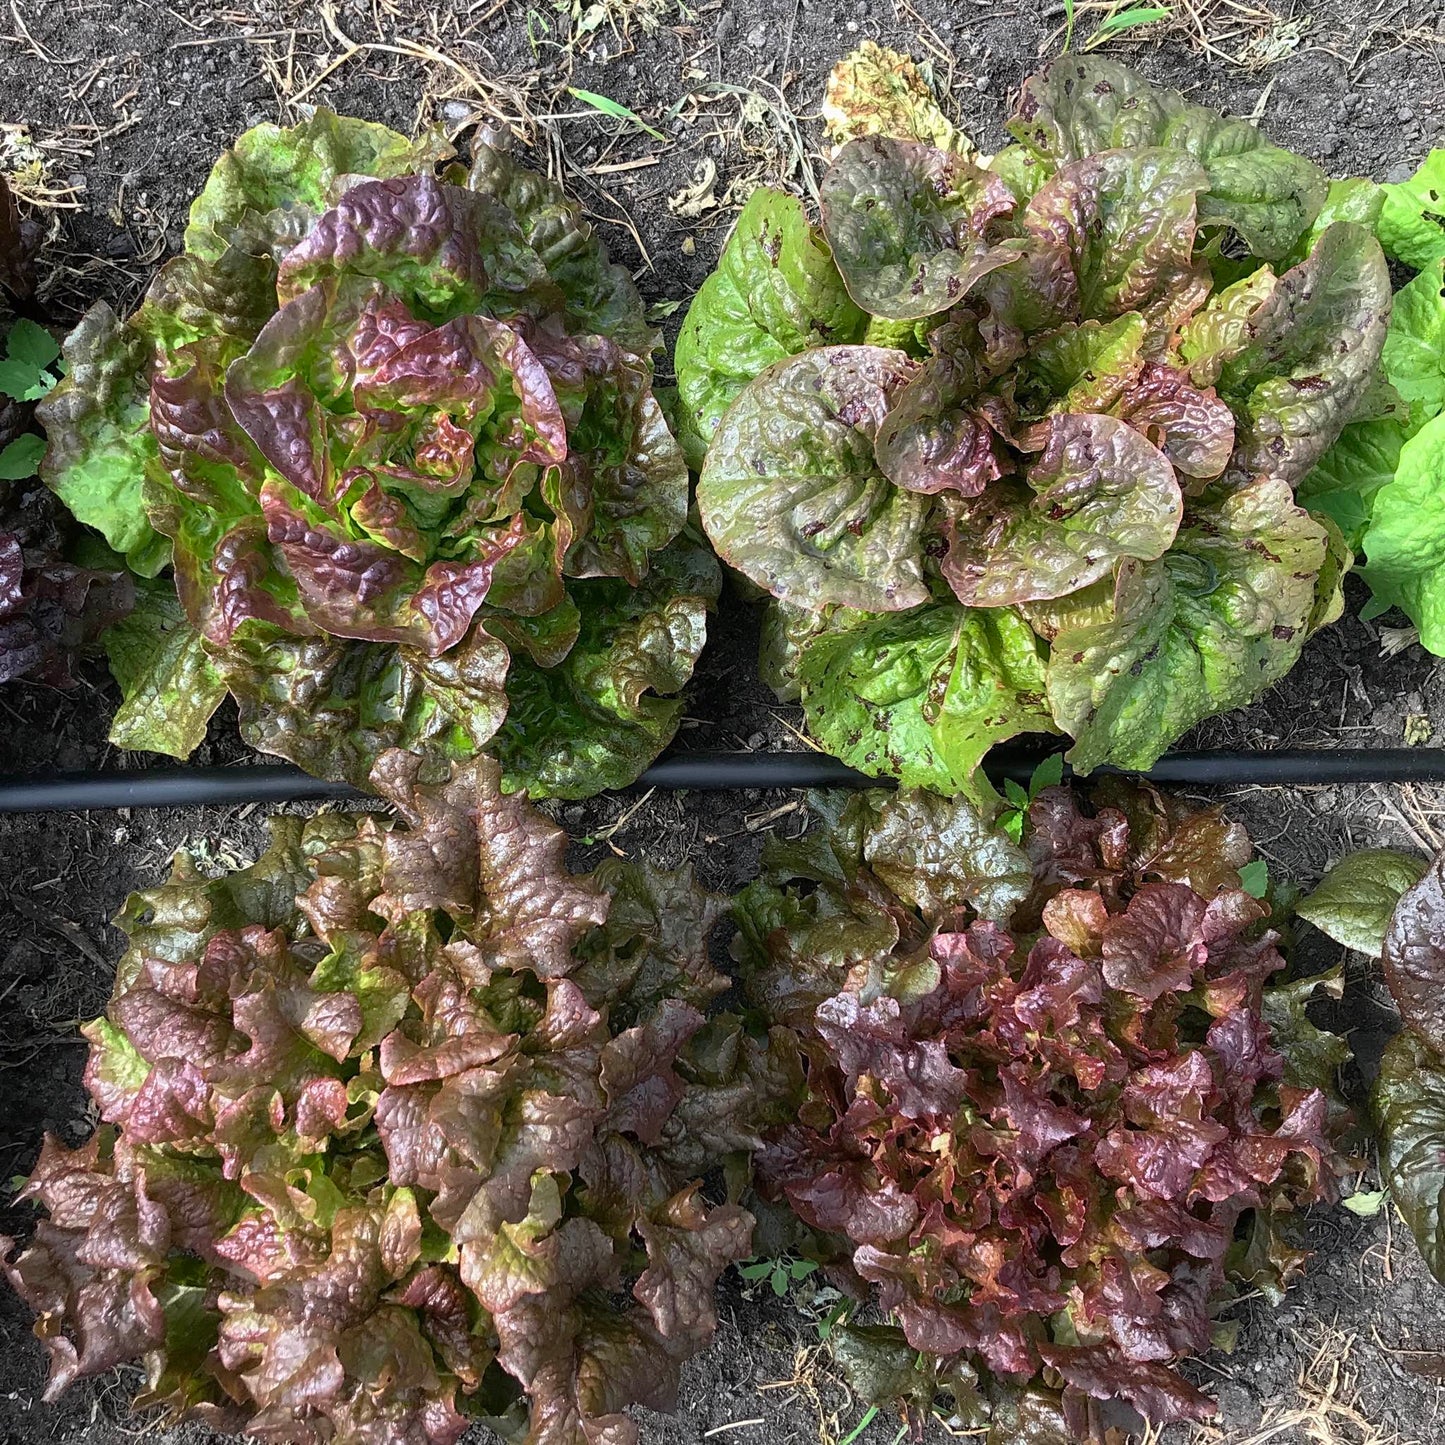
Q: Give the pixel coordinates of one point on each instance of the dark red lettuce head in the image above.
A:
(1048, 1121)
(402, 1124)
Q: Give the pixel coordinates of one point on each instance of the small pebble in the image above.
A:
(456, 112)
(758, 37)
(755, 742)
(982, 82)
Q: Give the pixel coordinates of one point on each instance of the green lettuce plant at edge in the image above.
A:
(1013, 445)
(404, 1126)
(1384, 480)
(1391, 906)
(391, 422)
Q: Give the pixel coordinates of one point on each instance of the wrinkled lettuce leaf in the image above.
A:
(1082, 105)
(169, 685)
(775, 292)
(345, 1093)
(878, 91)
(1141, 657)
(389, 425)
(922, 695)
(911, 227)
(791, 494)
(1404, 540)
(1411, 224)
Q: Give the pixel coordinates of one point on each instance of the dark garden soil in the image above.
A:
(128, 105)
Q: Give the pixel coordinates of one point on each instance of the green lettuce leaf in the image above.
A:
(911, 227)
(1136, 661)
(101, 447)
(1411, 225)
(775, 292)
(1081, 105)
(597, 720)
(791, 494)
(1414, 353)
(1405, 540)
(1344, 481)
(169, 685)
(923, 695)
(1356, 898)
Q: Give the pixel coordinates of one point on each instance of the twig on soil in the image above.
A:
(1328, 1408)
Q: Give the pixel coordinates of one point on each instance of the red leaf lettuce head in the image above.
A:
(404, 1126)
(393, 422)
(1013, 444)
(1050, 1118)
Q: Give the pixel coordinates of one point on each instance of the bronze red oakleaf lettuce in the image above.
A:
(1051, 1120)
(404, 1127)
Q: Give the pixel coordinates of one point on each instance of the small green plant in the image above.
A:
(1254, 878)
(1048, 774)
(1121, 22)
(26, 374)
(780, 1273)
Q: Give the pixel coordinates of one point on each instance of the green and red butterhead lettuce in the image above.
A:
(1055, 1104)
(395, 430)
(403, 1128)
(1027, 433)
(51, 607)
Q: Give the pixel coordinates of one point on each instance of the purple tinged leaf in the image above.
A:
(1100, 492)
(931, 442)
(489, 860)
(1192, 427)
(791, 493)
(1414, 956)
(1157, 944)
(912, 228)
(1125, 219)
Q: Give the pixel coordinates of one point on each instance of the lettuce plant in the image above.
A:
(1055, 1104)
(1390, 906)
(404, 1127)
(1014, 445)
(395, 430)
(1380, 481)
(51, 607)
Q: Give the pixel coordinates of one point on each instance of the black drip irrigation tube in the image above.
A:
(711, 772)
